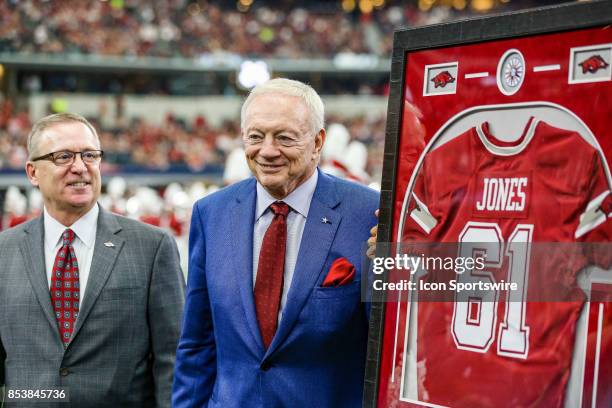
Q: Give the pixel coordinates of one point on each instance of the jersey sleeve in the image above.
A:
(419, 218)
(594, 224)
(595, 221)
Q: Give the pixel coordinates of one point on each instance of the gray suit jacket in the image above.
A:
(123, 346)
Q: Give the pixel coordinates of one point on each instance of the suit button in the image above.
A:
(64, 371)
(265, 366)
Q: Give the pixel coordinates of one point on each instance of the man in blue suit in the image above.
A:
(273, 315)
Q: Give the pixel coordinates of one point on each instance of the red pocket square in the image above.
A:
(341, 272)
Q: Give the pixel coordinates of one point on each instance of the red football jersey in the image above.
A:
(550, 185)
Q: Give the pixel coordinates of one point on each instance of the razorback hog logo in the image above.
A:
(442, 79)
(593, 64)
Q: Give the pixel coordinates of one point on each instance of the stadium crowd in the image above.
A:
(179, 28)
(175, 143)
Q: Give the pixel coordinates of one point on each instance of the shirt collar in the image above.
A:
(299, 199)
(84, 228)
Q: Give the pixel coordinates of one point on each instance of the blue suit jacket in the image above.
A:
(317, 356)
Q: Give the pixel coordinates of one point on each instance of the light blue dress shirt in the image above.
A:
(299, 203)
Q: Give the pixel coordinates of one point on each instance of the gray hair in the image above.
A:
(49, 121)
(290, 87)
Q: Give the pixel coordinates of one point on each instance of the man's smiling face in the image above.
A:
(71, 189)
(281, 148)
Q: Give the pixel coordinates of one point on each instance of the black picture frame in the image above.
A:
(542, 20)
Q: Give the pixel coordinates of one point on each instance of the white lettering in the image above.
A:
(492, 194)
(481, 205)
(433, 286)
(511, 204)
(500, 193)
(482, 286)
(402, 285)
(521, 194)
(502, 197)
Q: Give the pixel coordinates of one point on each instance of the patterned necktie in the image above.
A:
(270, 271)
(65, 287)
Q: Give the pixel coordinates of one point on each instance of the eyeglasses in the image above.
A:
(67, 157)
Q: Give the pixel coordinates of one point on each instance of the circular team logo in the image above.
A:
(511, 72)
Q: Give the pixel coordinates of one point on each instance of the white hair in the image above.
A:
(290, 87)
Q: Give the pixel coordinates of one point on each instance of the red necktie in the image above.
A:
(65, 287)
(270, 272)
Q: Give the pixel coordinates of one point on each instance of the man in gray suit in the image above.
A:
(90, 302)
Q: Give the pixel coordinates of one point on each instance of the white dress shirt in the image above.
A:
(85, 237)
(299, 203)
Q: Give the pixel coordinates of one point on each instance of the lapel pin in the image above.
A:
(109, 244)
(324, 220)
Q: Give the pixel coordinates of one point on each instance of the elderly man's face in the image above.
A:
(280, 147)
(71, 189)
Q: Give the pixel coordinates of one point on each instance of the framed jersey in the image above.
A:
(498, 142)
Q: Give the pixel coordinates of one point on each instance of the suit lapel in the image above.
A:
(32, 251)
(317, 239)
(102, 263)
(242, 221)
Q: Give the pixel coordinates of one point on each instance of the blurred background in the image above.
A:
(163, 82)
